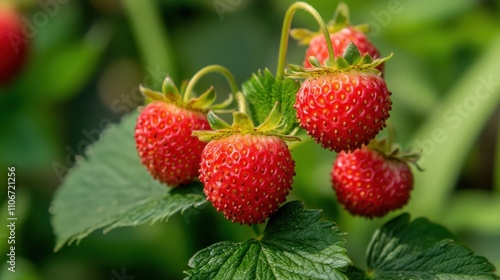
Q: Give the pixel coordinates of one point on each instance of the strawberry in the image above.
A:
(246, 172)
(371, 182)
(343, 106)
(164, 142)
(247, 177)
(342, 33)
(163, 134)
(13, 45)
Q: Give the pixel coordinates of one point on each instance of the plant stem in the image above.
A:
(256, 230)
(209, 69)
(286, 30)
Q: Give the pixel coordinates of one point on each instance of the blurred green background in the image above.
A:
(87, 59)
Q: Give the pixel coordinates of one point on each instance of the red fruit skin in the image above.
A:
(13, 45)
(340, 41)
(165, 144)
(370, 185)
(247, 177)
(342, 111)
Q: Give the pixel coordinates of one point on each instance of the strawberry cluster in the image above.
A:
(343, 103)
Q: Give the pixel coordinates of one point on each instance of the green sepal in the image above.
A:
(394, 151)
(352, 60)
(314, 61)
(372, 66)
(366, 59)
(352, 54)
(259, 103)
(203, 101)
(273, 121)
(242, 122)
(302, 35)
(151, 95)
(217, 123)
(171, 92)
(186, 97)
(341, 63)
(209, 135)
(295, 68)
(168, 87)
(365, 28)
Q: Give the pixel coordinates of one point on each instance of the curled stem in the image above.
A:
(286, 30)
(209, 69)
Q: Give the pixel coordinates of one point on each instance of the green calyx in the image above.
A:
(171, 94)
(243, 124)
(340, 21)
(390, 150)
(183, 97)
(350, 60)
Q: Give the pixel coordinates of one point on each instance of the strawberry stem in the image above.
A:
(256, 230)
(206, 70)
(287, 22)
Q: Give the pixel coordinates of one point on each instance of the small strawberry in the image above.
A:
(13, 44)
(247, 172)
(345, 105)
(342, 33)
(163, 134)
(370, 181)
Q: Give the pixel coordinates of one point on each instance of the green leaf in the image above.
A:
(273, 121)
(262, 92)
(111, 188)
(296, 244)
(421, 250)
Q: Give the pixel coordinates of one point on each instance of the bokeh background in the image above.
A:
(87, 59)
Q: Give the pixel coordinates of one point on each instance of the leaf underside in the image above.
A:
(296, 244)
(110, 188)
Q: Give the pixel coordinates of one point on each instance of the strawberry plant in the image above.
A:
(178, 154)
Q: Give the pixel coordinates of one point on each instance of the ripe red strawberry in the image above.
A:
(343, 110)
(165, 144)
(247, 177)
(163, 133)
(370, 183)
(247, 172)
(13, 45)
(340, 42)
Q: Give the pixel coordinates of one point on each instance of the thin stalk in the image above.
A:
(207, 70)
(256, 230)
(287, 22)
